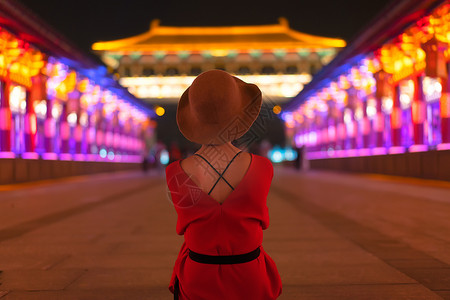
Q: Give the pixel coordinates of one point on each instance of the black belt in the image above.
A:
(224, 259)
(218, 260)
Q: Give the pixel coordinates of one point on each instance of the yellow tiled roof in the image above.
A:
(167, 38)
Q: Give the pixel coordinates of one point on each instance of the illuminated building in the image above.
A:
(163, 62)
(57, 103)
(160, 64)
(382, 104)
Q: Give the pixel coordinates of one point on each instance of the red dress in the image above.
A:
(231, 228)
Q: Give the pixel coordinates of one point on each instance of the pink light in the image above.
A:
(78, 133)
(379, 151)
(352, 152)
(30, 123)
(49, 127)
(5, 118)
(122, 141)
(6, 154)
(331, 133)
(396, 150)
(49, 156)
(91, 157)
(443, 146)
(65, 156)
(65, 130)
(108, 138)
(379, 122)
(341, 153)
(124, 158)
(312, 138)
(341, 131)
(324, 135)
(91, 135)
(100, 137)
(301, 139)
(418, 148)
(116, 140)
(133, 158)
(99, 158)
(366, 126)
(364, 152)
(79, 157)
(351, 129)
(30, 155)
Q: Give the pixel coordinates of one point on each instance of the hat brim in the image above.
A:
(232, 128)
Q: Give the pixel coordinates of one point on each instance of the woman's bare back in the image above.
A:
(204, 176)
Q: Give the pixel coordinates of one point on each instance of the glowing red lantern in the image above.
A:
(435, 59)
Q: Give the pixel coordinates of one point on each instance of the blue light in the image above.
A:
(110, 155)
(287, 116)
(103, 153)
(276, 155)
(290, 154)
(164, 158)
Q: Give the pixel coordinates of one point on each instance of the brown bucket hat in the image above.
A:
(217, 108)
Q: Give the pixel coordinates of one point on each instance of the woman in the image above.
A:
(220, 195)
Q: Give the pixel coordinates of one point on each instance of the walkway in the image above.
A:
(333, 236)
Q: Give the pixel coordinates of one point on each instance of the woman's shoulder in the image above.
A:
(263, 164)
(262, 160)
(170, 168)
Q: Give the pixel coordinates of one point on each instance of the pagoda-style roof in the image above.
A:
(168, 38)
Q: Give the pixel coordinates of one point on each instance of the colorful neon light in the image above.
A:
(392, 97)
(44, 99)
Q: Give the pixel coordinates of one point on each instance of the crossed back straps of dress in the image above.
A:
(220, 175)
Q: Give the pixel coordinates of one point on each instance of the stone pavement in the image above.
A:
(333, 236)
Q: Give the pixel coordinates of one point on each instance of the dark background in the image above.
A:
(88, 21)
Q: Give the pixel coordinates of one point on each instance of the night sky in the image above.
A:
(87, 21)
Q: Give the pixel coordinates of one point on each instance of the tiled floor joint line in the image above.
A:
(25, 227)
(75, 279)
(55, 263)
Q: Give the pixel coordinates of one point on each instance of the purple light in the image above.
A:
(316, 155)
(298, 140)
